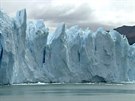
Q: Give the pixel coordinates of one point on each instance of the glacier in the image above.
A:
(29, 53)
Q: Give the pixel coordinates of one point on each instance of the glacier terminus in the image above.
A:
(29, 53)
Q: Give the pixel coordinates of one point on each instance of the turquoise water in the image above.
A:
(68, 92)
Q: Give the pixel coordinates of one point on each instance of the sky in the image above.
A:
(85, 13)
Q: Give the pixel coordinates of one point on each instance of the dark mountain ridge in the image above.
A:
(129, 31)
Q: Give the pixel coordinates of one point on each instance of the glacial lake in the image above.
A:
(68, 92)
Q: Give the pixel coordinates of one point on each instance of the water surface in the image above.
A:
(68, 92)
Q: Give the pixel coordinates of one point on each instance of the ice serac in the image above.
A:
(30, 46)
(6, 48)
(55, 65)
(17, 62)
(30, 54)
(36, 49)
(19, 52)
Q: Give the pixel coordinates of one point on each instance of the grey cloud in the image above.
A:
(52, 14)
(95, 26)
(82, 16)
(55, 14)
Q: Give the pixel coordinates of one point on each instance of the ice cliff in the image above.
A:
(30, 54)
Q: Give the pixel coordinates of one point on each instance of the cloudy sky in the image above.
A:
(86, 13)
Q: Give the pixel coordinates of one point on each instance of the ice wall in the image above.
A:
(29, 53)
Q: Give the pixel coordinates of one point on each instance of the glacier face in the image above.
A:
(30, 54)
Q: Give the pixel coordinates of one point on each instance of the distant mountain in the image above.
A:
(129, 31)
